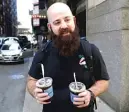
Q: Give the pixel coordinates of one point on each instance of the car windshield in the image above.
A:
(6, 47)
(10, 47)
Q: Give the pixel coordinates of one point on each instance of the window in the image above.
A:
(7, 1)
(41, 4)
(0, 19)
(0, 6)
(18, 47)
(5, 47)
(93, 3)
(1, 30)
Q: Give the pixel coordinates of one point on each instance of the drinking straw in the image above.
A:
(75, 80)
(42, 70)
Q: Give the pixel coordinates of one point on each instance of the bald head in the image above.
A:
(62, 26)
(57, 9)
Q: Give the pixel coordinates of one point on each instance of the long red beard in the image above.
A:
(67, 42)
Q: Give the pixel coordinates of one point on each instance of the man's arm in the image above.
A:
(37, 93)
(99, 87)
(85, 97)
(101, 80)
(99, 72)
(31, 85)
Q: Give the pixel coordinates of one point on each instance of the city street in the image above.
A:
(12, 86)
(27, 25)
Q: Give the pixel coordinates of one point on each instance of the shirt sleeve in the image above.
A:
(99, 66)
(35, 69)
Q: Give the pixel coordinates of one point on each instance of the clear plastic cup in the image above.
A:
(46, 85)
(74, 91)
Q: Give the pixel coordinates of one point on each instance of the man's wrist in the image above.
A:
(92, 98)
(92, 94)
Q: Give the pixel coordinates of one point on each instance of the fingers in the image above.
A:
(81, 104)
(84, 104)
(80, 99)
(83, 99)
(85, 93)
(78, 103)
(41, 102)
(41, 97)
(38, 90)
(39, 93)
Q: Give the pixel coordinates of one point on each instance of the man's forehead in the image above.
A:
(60, 15)
(57, 10)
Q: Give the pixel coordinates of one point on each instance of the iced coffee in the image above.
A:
(75, 89)
(46, 85)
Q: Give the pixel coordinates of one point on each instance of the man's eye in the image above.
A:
(67, 20)
(57, 23)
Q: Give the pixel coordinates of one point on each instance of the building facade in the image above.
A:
(8, 18)
(2, 22)
(108, 27)
(39, 18)
(78, 8)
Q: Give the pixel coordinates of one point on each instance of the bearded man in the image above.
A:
(62, 61)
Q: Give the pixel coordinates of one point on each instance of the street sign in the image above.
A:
(35, 1)
(35, 9)
(36, 22)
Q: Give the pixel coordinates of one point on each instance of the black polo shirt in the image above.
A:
(61, 70)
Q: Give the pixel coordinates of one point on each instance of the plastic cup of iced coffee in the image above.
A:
(75, 89)
(45, 84)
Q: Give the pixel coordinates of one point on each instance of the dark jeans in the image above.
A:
(60, 108)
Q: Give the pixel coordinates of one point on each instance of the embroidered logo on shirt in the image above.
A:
(82, 61)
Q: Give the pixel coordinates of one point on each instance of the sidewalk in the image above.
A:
(30, 105)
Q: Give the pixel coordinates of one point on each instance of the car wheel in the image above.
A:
(21, 61)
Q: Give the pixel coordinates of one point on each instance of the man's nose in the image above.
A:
(63, 24)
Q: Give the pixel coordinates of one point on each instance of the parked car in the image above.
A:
(11, 52)
(2, 41)
(23, 41)
(33, 42)
(11, 39)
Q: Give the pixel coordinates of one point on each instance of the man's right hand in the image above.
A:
(40, 96)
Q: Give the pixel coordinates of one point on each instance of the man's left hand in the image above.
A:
(83, 100)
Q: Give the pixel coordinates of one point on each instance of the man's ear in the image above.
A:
(49, 26)
(74, 19)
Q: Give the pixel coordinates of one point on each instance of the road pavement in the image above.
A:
(12, 86)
